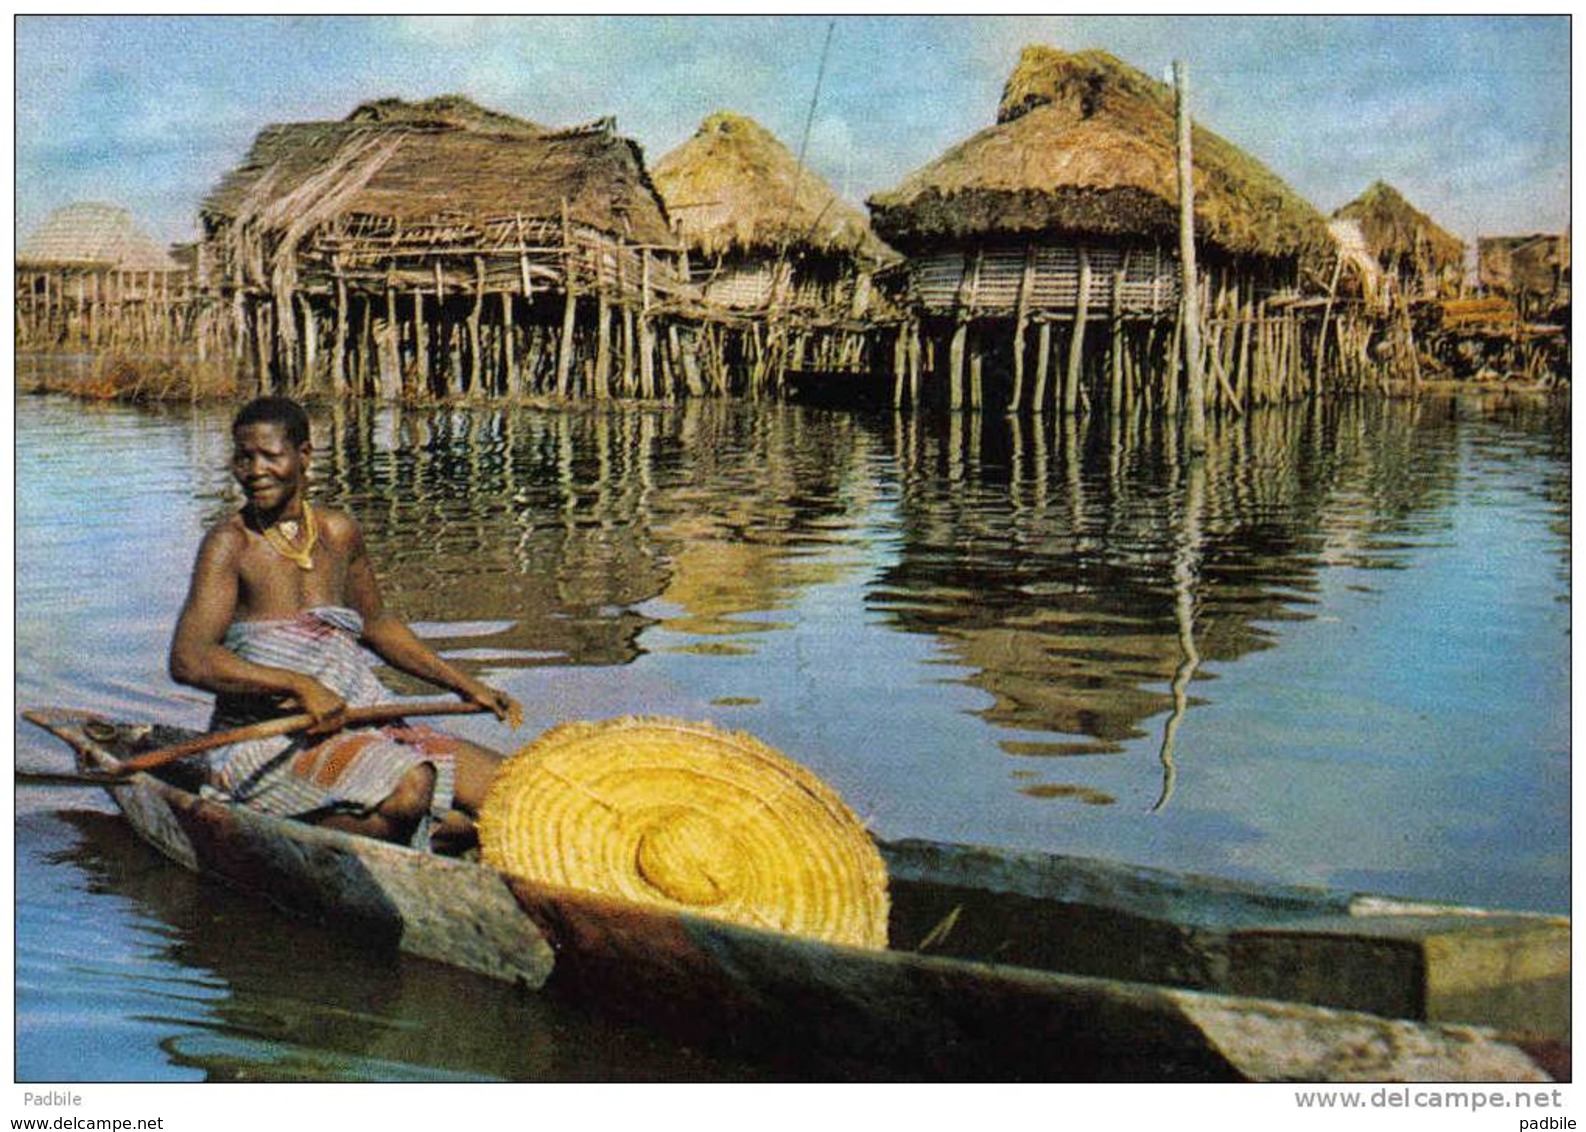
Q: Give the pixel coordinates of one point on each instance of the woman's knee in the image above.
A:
(413, 795)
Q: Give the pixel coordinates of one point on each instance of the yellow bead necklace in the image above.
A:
(282, 545)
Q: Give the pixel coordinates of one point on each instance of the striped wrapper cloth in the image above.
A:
(352, 771)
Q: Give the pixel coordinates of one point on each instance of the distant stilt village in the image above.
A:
(438, 250)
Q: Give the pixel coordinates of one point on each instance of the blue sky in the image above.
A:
(1467, 116)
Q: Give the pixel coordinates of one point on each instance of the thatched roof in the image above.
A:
(444, 110)
(444, 162)
(91, 235)
(734, 186)
(1086, 145)
(1394, 229)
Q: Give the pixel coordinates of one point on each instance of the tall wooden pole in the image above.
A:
(1194, 380)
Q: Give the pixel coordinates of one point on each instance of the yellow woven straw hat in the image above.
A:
(686, 815)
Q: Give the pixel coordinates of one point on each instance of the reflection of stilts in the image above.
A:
(1186, 562)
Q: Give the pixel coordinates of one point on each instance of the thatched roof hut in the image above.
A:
(1085, 145)
(395, 177)
(1404, 240)
(401, 225)
(1535, 266)
(90, 236)
(747, 210)
(734, 187)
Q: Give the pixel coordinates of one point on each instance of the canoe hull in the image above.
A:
(829, 1011)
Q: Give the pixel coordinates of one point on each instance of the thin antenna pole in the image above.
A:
(809, 118)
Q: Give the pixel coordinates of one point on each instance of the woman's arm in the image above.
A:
(389, 638)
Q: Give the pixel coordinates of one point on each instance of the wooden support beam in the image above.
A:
(977, 365)
(421, 345)
(564, 356)
(602, 345)
(900, 366)
(1021, 317)
(688, 355)
(1115, 347)
(479, 375)
(390, 350)
(509, 348)
(914, 362)
(1195, 385)
(1076, 340)
(955, 367)
(646, 329)
(1043, 363)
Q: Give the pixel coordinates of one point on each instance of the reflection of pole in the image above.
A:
(1185, 565)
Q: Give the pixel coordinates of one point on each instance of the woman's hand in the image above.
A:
(495, 701)
(328, 709)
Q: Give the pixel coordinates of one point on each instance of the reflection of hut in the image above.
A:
(768, 237)
(89, 276)
(1421, 259)
(1066, 212)
(1532, 270)
(436, 247)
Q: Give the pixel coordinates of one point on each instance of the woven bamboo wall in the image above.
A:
(988, 280)
(740, 286)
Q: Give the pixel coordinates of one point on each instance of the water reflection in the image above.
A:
(960, 621)
(1085, 575)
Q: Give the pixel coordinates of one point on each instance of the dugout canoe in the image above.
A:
(1003, 966)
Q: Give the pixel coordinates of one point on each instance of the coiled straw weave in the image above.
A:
(686, 815)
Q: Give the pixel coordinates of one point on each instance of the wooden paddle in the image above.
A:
(269, 728)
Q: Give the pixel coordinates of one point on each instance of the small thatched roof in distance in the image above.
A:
(1086, 145)
(443, 162)
(733, 185)
(1393, 228)
(93, 235)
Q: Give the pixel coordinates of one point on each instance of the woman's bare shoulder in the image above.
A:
(226, 535)
(336, 526)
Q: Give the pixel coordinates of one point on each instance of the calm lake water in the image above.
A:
(1335, 653)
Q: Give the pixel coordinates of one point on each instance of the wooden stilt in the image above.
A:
(646, 329)
(509, 348)
(900, 365)
(688, 355)
(1076, 340)
(1115, 349)
(564, 358)
(628, 344)
(310, 341)
(602, 345)
(977, 388)
(955, 367)
(1043, 362)
(1021, 316)
(1195, 388)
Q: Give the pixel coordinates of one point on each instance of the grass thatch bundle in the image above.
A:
(734, 187)
(91, 235)
(1086, 145)
(447, 110)
(443, 171)
(1396, 232)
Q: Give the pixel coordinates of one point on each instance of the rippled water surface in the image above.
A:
(1336, 652)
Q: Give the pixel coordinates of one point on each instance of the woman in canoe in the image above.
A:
(283, 614)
